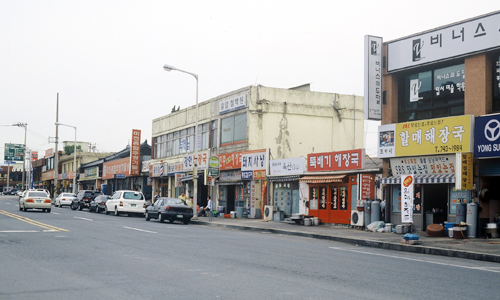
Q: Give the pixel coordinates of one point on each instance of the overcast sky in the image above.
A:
(105, 58)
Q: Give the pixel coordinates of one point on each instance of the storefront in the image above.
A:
(332, 184)
(172, 185)
(197, 165)
(90, 179)
(428, 150)
(284, 185)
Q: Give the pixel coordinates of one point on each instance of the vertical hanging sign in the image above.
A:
(407, 198)
(373, 78)
(135, 152)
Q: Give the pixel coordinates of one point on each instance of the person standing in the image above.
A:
(183, 196)
(208, 208)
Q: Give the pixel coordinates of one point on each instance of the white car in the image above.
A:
(64, 199)
(35, 199)
(130, 202)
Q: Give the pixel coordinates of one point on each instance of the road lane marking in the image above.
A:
(139, 229)
(32, 222)
(418, 260)
(55, 213)
(83, 218)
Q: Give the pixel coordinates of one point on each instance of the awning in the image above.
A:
(188, 177)
(322, 179)
(230, 182)
(433, 178)
(284, 178)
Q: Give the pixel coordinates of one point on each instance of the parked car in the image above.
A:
(83, 199)
(64, 199)
(11, 192)
(130, 202)
(170, 209)
(35, 199)
(99, 203)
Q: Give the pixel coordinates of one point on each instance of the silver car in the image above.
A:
(64, 199)
(35, 199)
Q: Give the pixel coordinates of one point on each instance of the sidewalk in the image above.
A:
(477, 248)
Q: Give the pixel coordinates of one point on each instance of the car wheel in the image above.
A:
(73, 206)
(97, 209)
(80, 207)
(48, 210)
(171, 221)
(147, 216)
(186, 222)
(20, 208)
(160, 218)
(106, 210)
(116, 212)
(24, 208)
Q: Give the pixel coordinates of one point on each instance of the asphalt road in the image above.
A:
(69, 254)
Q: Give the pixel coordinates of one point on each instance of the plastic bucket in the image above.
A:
(316, 221)
(388, 227)
(450, 232)
(307, 222)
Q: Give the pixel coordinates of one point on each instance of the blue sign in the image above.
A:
(120, 176)
(487, 136)
(247, 175)
(9, 162)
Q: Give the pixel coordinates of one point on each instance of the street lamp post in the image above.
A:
(195, 187)
(74, 157)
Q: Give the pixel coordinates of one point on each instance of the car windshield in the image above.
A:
(174, 201)
(37, 194)
(88, 194)
(133, 195)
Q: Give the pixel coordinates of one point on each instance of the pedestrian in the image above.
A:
(208, 208)
(183, 197)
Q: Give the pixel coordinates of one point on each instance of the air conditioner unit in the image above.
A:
(357, 218)
(268, 212)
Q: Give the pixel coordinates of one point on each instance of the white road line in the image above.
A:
(139, 229)
(419, 260)
(55, 213)
(83, 218)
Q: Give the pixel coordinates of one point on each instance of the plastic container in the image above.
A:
(316, 221)
(239, 212)
(459, 231)
(307, 222)
(233, 215)
(450, 232)
(401, 229)
(388, 227)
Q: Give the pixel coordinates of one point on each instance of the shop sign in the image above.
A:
(424, 165)
(336, 161)
(49, 152)
(464, 175)
(201, 159)
(252, 199)
(91, 173)
(386, 135)
(232, 104)
(145, 166)
(156, 170)
(459, 39)
(457, 197)
(120, 176)
(229, 161)
(254, 165)
(434, 136)
(487, 136)
(234, 175)
(119, 166)
(367, 186)
(175, 168)
(407, 198)
(213, 166)
(149, 181)
(135, 152)
(287, 166)
(178, 182)
(34, 155)
(373, 78)
(49, 175)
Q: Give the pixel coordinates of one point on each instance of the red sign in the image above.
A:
(336, 161)
(119, 166)
(232, 160)
(367, 186)
(135, 152)
(34, 155)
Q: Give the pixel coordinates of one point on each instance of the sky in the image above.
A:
(105, 58)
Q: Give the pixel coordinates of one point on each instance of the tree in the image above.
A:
(174, 110)
(68, 149)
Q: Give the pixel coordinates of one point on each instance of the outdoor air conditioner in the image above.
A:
(357, 218)
(268, 212)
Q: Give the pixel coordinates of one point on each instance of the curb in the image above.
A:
(367, 243)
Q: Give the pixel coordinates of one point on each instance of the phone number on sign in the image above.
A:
(445, 149)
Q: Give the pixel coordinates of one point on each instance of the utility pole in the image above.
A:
(56, 157)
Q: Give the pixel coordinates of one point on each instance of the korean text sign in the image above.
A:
(487, 136)
(464, 174)
(287, 166)
(407, 198)
(201, 160)
(119, 166)
(434, 136)
(424, 165)
(336, 161)
(254, 165)
(135, 152)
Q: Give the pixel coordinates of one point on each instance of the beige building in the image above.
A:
(255, 122)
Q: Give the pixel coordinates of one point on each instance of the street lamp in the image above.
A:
(169, 68)
(74, 157)
(25, 125)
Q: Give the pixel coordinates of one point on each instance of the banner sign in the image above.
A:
(367, 186)
(254, 165)
(234, 175)
(230, 161)
(91, 173)
(201, 159)
(386, 141)
(175, 168)
(424, 165)
(119, 166)
(471, 36)
(287, 166)
(336, 161)
(135, 152)
(464, 174)
(373, 78)
(407, 198)
(487, 136)
(232, 104)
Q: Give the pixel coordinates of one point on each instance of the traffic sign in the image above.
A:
(14, 152)
(9, 162)
(213, 166)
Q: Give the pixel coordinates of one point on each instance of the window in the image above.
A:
(496, 83)
(234, 130)
(203, 136)
(213, 135)
(432, 93)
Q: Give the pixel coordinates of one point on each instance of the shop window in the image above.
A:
(234, 130)
(313, 198)
(432, 93)
(203, 132)
(322, 198)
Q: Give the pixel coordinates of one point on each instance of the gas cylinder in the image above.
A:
(471, 219)
(375, 213)
(368, 206)
(461, 212)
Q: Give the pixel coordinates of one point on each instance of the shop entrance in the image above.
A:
(332, 204)
(435, 203)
